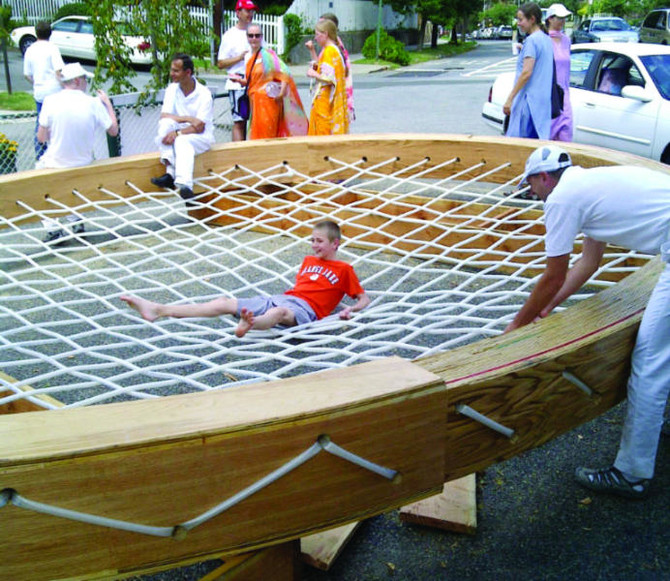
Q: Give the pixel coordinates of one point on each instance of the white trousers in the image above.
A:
(649, 383)
(180, 156)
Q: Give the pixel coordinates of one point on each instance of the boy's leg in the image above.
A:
(272, 317)
(152, 311)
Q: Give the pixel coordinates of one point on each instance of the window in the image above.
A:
(580, 61)
(658, 67)
(66, 26)
(617, 71)
(86, 28)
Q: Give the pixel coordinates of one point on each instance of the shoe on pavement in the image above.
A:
(76, 224)
(53, 235)
(185, 192)
(165, 181)
(611, 481)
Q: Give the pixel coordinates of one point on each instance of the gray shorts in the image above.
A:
(233, 96)
(260, 305)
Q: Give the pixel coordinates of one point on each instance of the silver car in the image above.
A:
(604, 29)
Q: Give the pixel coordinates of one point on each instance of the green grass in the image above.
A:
(17, 101)
(442, 50)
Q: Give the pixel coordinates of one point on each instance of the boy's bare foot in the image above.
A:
(147, 309)
(246, 322)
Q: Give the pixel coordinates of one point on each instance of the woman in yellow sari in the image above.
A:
(329, 114)
(276, 109)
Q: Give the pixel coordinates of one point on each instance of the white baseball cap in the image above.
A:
(546, 158)
(558, 10)
(74, 71)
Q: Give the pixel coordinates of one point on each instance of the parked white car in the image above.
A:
(73, 35)
(620, 96)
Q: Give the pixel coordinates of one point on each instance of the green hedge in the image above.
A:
(390, 49)
(74, 9)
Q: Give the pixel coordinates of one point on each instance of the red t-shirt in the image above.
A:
(323, 283)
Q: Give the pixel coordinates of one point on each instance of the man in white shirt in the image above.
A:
(68, 122)
(629, 207)
(232, 52)
(70, 118)
(42, 65)
(186, 126)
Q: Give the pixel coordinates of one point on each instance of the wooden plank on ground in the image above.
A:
(278, 563)
(321, 550)
(454, 509)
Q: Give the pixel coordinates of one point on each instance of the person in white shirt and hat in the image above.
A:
(626, 206)
(70, 118)
(232, 54)
(68, 123)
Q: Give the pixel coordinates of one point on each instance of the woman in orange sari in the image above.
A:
(329, 114)
(276, 108)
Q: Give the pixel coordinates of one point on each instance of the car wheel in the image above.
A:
(25, 42)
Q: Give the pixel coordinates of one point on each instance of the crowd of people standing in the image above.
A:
(543, 61)
(259, 78)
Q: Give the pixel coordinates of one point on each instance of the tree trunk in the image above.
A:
(422, 32)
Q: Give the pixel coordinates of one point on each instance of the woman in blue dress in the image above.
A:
(529, 103)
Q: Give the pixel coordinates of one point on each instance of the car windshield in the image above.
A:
(610, 24)
(658, 66)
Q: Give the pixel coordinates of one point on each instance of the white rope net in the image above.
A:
(441, 273)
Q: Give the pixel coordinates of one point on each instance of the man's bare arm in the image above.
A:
(592, 254)
(545, 290)
(195, 125)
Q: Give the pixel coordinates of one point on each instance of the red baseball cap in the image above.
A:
(245, 5)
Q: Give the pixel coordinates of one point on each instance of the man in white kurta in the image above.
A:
(186, 126)
(42, 65)
(629, 207)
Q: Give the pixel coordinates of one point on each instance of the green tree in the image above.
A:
(439, 12)
(5, 27)
(499, 14)
(167, 27)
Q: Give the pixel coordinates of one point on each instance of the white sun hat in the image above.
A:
(558, 10)
(74, 71)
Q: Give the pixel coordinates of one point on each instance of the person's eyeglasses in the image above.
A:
(259, 35)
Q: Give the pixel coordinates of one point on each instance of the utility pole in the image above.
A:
(379, 29)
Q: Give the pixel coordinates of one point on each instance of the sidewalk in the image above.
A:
(299, 71)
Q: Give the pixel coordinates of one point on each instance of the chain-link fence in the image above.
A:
(137, 132)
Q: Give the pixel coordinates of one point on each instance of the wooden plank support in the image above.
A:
(279, 563)
(454, 509)
(163, 462)
(321, 549)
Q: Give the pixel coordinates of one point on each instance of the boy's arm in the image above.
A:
(362, 301)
